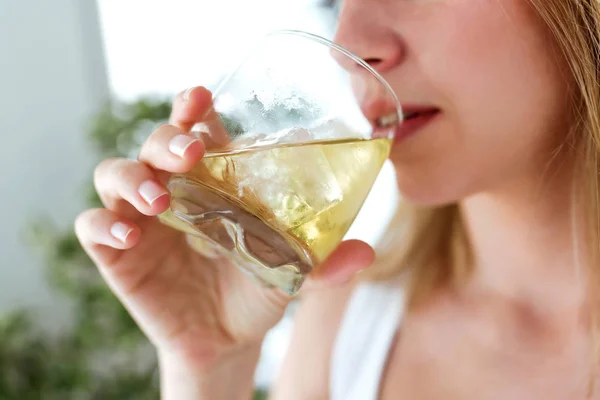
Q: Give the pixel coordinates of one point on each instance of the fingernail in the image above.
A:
(180, 143)
(120, 231)
(151, 191)
(186, 94)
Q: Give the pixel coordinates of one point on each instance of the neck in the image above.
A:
(523, 244)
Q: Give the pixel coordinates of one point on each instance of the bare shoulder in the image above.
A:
(305, 372)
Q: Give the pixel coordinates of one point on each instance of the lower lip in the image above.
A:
(411, 126)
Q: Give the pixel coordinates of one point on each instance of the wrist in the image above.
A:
(228, 377)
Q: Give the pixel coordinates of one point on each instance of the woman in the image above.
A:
(489, 289)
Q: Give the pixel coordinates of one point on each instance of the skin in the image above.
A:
(489, 66)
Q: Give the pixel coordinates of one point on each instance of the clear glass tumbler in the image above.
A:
(295, 138)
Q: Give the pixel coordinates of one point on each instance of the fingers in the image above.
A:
(141, 184)
(104, 236)
(103, 233)
(189, 107)
(120, 181)
(349, 258)
(195, 107)
(171, 149)
(104, 227)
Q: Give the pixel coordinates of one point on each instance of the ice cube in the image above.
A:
(295, 183)
(332, 129)
(285, 136)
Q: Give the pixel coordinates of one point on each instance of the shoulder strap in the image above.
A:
(366, 333)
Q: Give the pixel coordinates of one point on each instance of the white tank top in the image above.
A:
(366, 333)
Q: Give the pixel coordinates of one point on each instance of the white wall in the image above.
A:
(52, 76)
(157, 46)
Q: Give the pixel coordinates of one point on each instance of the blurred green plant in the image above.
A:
(102, 354)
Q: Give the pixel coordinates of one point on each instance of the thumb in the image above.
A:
(348, 258)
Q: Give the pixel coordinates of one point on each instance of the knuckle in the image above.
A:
(86, 219)
(79, 221)
(96, 216)
(115, 172)
(130, 171)
(155, 141)
(180, 96)
(103, 166)
(163, 130)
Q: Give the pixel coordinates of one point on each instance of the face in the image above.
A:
(483, 76)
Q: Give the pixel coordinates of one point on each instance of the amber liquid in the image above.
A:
(276, 212)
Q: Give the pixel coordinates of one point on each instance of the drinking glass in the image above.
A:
(296, 136)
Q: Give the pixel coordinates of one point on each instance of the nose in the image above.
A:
(362, 30)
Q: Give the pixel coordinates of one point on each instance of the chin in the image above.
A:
(428, 193)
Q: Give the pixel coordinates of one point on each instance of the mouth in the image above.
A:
(412, 112)
(384, 118)
(414, 119)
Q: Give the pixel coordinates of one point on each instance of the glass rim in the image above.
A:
(326, 42)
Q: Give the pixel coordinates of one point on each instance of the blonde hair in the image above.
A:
(429, 244)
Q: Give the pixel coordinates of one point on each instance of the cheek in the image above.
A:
(502, 96)
(489, 61)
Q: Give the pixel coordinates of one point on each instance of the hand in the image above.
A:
(195, 309)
